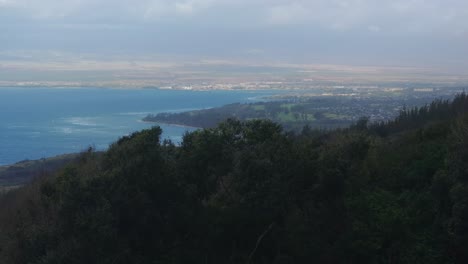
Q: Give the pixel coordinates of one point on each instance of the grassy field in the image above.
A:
(257, 107)
(319, 113)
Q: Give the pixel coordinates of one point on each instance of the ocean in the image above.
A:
(43, 122)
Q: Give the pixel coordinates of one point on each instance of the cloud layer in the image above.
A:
(366, 28)
(396, 15)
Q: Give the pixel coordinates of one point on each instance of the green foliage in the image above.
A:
(246, 192)
(292, 116)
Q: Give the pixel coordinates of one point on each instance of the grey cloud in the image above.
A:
(416, 15)
(362, 31)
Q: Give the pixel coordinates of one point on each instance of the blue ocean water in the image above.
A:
(43, 122)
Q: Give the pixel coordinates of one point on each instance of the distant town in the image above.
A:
(322, 108)
(223, 75)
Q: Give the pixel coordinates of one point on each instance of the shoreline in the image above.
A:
(170, 124)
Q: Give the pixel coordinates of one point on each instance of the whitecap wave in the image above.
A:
(65, 130)
(81, 121)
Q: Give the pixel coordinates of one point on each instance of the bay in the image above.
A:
(44, 122)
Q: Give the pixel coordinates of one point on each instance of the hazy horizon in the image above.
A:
(416, 33)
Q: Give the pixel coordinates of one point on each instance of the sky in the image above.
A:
(363, 32)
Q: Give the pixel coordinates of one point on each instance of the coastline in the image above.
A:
(55, 129)
(170, 124)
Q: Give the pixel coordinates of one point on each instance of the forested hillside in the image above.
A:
(247, 192)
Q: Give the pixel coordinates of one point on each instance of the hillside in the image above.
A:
(248, 192)
(292, 116)
(293, 112)
(24, 171)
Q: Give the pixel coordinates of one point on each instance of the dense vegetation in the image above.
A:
(290, 115)
(247, 192)
(24, 171)
(293, 112)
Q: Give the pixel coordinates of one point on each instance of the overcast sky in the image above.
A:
(364, 32)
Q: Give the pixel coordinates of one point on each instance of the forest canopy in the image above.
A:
(248, 192)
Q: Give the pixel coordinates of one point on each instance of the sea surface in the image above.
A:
(43, 122)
